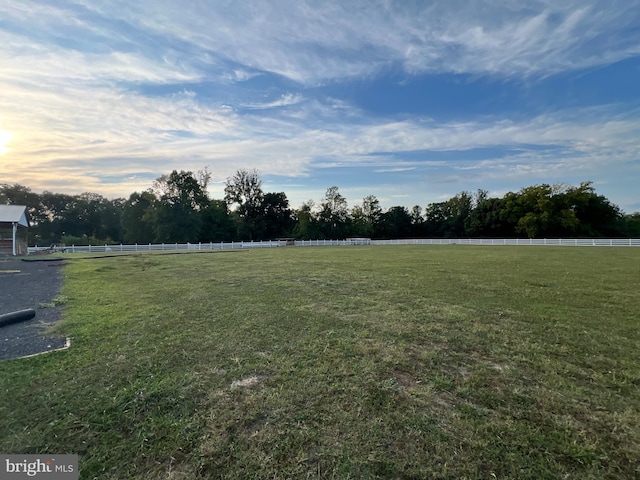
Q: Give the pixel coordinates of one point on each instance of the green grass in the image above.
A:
(341, 362)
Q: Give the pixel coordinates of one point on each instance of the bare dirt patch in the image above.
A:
(248, 382)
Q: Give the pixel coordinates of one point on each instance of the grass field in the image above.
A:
(341, 362)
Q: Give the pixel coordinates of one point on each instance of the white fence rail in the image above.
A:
(571, 242)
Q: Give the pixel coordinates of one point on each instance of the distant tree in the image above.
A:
(18, 195)
(112, 221)
(182, 188)
(175, 223)
(178, 209)
(556, 211)
(54, 207)
(92, 215)
(416, 215)
(365, 218)
(447, 219)
(181, 198)
(417, 222)
(276, 215)
(138, 217)
(307, 226)
(333, 214)
(485, 221)
(597, 217)
(460, 207)
(244, 189)
(631, 225)
(217, 223)
(359, 226)
(533, 212)
(396, 223)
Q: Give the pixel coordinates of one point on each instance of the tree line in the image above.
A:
(177, 208)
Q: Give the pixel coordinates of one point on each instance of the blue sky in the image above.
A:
(410, 101)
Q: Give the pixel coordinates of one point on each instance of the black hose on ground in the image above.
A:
(15, 317)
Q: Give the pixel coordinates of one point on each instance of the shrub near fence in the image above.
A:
(569, 242)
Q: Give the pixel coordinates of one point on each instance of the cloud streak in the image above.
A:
(311, 42)
(110, 93)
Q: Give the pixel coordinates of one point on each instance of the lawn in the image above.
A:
(341, 362)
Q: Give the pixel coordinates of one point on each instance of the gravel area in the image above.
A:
(30, 284)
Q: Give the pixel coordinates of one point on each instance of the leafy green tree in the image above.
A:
(182, 188)
(417, 222)
(597, 217)
(138, 217)
(244, 189)
(178, 209)
(112, 220)
(334, 214)
(52, 227)
(19, 195)
(485, 221)
(447, 219)
(533, 211)
(307, 226)
(94, 216)
(276, 215)
(365, 218)
(435, 215)
(396, 223)
(358, 226)
(460, 207)
(631, 225)
(557, 211)
(217, 223)
(177, 215)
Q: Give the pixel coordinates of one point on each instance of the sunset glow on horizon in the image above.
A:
(5, 138)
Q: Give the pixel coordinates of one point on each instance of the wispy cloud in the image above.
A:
(394, 170)
(284, 101)
(313, 42)
(87, 128)
(109, 93)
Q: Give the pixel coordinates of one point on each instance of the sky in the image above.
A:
(410, 101)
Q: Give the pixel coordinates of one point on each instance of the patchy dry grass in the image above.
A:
(354, 362)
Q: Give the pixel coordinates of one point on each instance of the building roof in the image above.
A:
(14, 214)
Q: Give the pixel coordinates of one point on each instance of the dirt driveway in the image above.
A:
(30, 284)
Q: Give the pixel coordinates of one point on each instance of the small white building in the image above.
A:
(12, 217)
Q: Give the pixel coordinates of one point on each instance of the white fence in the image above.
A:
(565, 242)
(571, 242)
